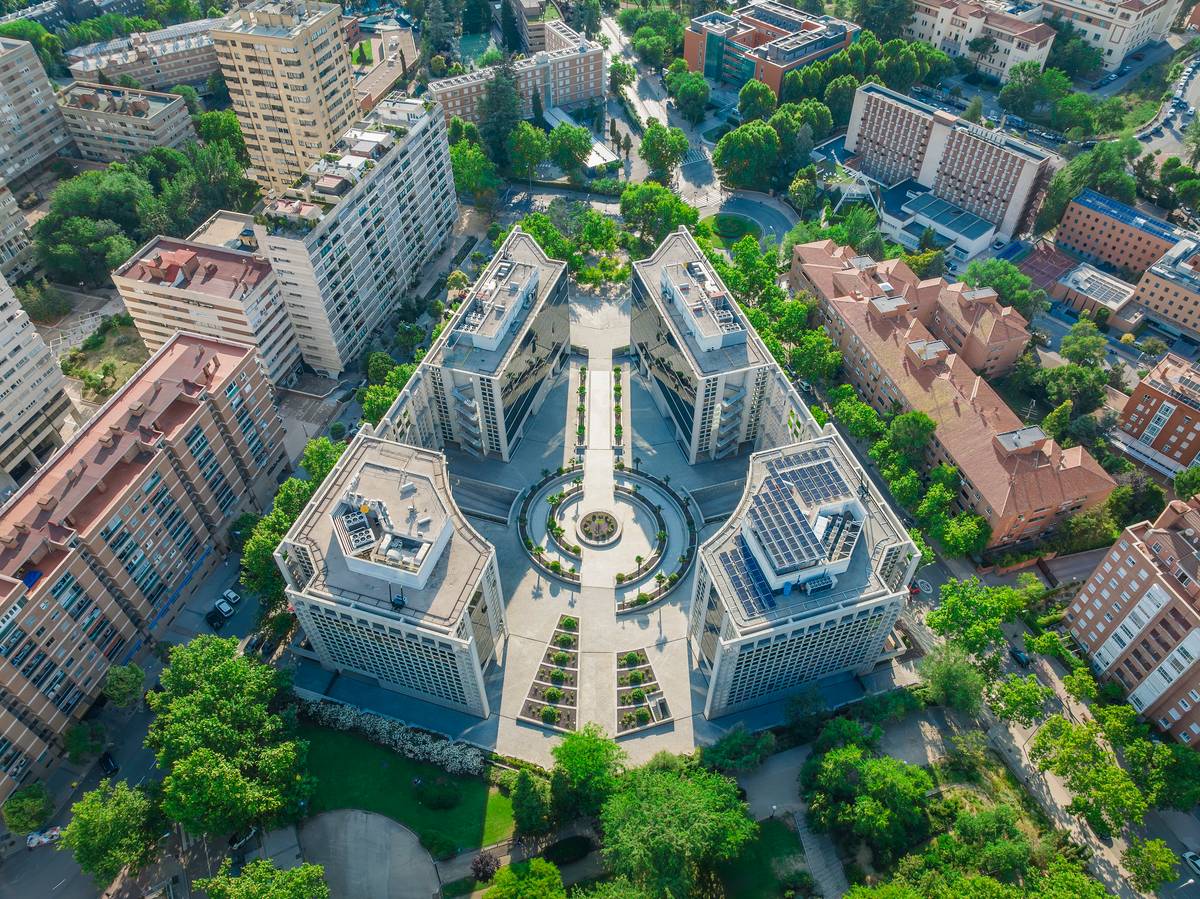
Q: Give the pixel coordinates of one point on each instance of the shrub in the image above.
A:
(556, 566)
(440, 793)
(439, 845)
(484, 866)
(504, 779)
(568, 850)
(557, 676)
(643, 598)
(561, 658)
(566, 641)
(570, 624)
(636, 677)
(550, 714)
(553, 694)
(638, 695)
(27, 809)
(642, 715)
(620, 578)
(337, 431)
(630, 659)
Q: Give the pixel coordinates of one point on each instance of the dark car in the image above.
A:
(108, 764)
(1019, 656)
(215, 619)
(269, 647)
(253, 644)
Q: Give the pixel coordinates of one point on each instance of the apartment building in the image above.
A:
(16, 248)
(1116, 27)
(1169, 290)
(804, 580)
(205, 286)
(31, 128)
(288, 71)
(1137, 619)
(1160, 424)
(104, 546)
(1017, 478)
(50, 14)
(532, 17)
(354, 233)
(390, 581)
(115, 124)
(993, 37)
(987, 174)
(568, 72)
(707, 368)
(496, 361)
(157, 60)
(972, 323)
(1112, 235)
(33, 403)
(763, 40)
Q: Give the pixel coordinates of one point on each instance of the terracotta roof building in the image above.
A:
(1020, 480)
(1015, 36)
(104, 546)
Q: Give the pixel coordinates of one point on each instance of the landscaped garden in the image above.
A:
(450, 813)
(729, 229)
(598, 526)
(769, 864)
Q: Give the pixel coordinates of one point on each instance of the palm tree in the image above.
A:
(661, 536)
(639, 561)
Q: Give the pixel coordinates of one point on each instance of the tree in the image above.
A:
(653, 212)
(1191, 141)
(527, 880)
(221, 126)
(509, 31)
(123, 684)
(803, 189)
(230, 754)
(966, 534)
(1071, 50)
(1020, 699)
(664, 830)
(738, 750)
(1084, 344)
(112, 828)
(839, 98)
(952, 680)
(1080, 684)
(499, 110)
(971, 613)
(569, 146)
(1012, 286)
(909, 434)
(528, 148)
(691, 96)
(663, 149)
(28, 808)
(437, 31)
(974, 110)
(1150, 863)
(474, 173)
(650, 46)
(377, 399)
(1187, 483)
(260, 879)
(586, 765)
(378, 366)
(531, 804)
(1058, 420)
(815, 357)
(84, 740)
(756, 100)
(620, 74)
(746, 157)
(885, 18)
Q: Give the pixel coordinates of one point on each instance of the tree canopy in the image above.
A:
(112, 827)
(260, 879)
(586, 766)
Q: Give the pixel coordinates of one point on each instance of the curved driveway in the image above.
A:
(775, 217)
(368, 856)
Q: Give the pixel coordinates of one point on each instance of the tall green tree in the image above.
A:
(1013, 287)
(531, 804)
(839, 98)
(756, 100)
(499, 110)
(528, 148)
(747, 156)
(663, 149)
(569, 146)
(885, 18)
(534, 879)
(909, 434)
(1151, 863)
(691, 96)
(28, 808)
(123, 684)
(260, 879)
(970, 613)
(1187, 483)
(652, 211)
(1020, 699)
(952, 680)
(474, 173)
(112, 827)
(586, 766)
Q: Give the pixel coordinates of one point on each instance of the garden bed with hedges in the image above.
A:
(640, 700)
(554, 694)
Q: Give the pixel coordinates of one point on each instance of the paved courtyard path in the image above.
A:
(368, 856)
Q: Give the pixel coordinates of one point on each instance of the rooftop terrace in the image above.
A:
(197, 267)
(120, 101)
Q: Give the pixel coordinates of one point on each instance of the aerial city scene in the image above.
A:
(599, 449)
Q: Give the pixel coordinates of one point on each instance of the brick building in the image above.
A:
(1112, 235)
(104, 546)
(1160, 425)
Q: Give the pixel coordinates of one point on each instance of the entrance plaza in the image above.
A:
(628, 581)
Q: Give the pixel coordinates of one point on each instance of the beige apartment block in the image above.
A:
(1136, 617)
(115, 124)
(353, 234)
(532, 17)
(203, 286)
(1116, 27)
(157, 60)
(16, 248)
(1004, 38)
(1170, 289)
(987, 173)
(987, 336)
(288, 71)
(31, 128)
(33, 403)
(102, 549)
(568, 72)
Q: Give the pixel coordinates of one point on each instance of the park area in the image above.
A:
(729, 229)
(450, 813)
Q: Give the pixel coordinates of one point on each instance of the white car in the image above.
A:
(224, 608)
(232, 598)
(1192, 860)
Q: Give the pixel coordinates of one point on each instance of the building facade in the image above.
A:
(16, 248)
(994, 40)
(1160, 424)
(31, 127)
(1112, 235)
(1136, 618)
(211, 289)
(1086, 288)
(100, 551)
(288, 71)
(805, 580)
(1116, 27)
(532, 17)
(157, 60)
(33, 401)
(115, 124)
(1015, 477)
(707, 368)
(353, 235)
(568, 72)
(390, 580)
(763, 40)
(986, 173)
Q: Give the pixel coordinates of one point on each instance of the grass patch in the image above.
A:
(1019, 401)
(462, 887)
(352, 772)
(362, 55)
(106, 360)
(717, 132)
(991, 784)
(763, 868)
(729, 229)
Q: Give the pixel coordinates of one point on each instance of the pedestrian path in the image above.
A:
(823, 862)
(695, 154)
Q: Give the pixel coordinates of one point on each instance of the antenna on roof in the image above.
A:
(1030, 410)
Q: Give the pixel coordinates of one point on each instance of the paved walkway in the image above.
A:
(823, 862)
(368, 856)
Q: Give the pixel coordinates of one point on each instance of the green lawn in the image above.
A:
(729, 229)
(761, 871)
(352, 772)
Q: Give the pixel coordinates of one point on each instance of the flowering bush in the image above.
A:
(420, 745)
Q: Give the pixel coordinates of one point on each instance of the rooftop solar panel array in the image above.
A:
(747, 579)
(814, 473)
(781, 527)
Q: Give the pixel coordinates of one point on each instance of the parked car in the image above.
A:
(224, 608)
(253, 644)
(215, 619)
(43, 837)
(1019, 656)
(231, 597)
(108, 764)
(1192, 860)
(269, 647)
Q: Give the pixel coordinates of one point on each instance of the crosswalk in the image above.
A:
(694, 155)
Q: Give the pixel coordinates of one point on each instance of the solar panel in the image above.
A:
(747, 579)
(780, 525)
(814, 473)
